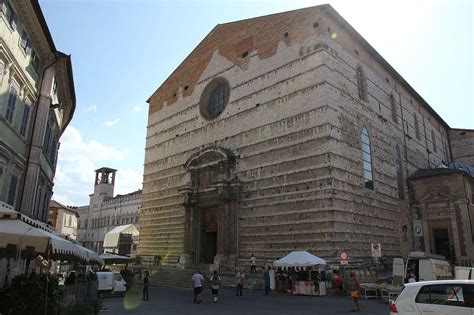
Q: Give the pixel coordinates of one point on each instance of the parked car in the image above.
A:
(111, 282)
(441, 297)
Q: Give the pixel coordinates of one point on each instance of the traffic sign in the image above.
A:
(376, 250)
(344, 255)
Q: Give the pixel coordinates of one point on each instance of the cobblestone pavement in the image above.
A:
(179, 301)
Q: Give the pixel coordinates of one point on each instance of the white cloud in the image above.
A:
(137, 108)
(92, 108)
(111, 123)
(77, 162)
(128, 180)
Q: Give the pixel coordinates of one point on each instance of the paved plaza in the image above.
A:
(179, 301)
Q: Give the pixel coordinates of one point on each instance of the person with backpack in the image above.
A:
(215, 283)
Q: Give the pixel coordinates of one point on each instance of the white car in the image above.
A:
(441, 297)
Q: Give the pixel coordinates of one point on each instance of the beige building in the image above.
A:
(105, 211)
(63, 219)
(279, 133)
(37, 102)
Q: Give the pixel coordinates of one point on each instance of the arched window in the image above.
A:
(433, 139)
(394, 108)
(361, 83)
(367, 159)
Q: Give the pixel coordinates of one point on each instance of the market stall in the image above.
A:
(305, 273)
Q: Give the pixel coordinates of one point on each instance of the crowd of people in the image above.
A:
(276, 279)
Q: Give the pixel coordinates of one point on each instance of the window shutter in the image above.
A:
(28, 48)
(13, 21)
(24, 120)
(12, 190)
(23, 39)
(3, 6)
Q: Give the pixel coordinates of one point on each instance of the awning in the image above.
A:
(22, 231)
(112, 237)
(93, 256)
(299, 259)
(115, 259)
(22, 235)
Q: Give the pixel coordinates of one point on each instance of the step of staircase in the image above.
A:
(170, 277)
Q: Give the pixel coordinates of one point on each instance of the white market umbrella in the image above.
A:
(19, 233)
(299, 259)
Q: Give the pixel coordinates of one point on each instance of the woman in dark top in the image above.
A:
(146, 282)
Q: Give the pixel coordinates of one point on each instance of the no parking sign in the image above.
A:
(376, 250)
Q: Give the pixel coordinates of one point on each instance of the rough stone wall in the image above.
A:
(293, 122)
(462, 145)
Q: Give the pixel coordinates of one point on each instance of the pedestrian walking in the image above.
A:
(146, 283)
(215, 284)
(354, 286)
(197, 279)
(266, 279)
(253, 264)
(272, 279)
(240, 277)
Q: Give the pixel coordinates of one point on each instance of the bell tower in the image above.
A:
(103, 185)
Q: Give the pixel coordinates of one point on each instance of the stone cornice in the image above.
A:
(32, 19)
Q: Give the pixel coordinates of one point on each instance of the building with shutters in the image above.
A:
(287, 132)
(37, 102)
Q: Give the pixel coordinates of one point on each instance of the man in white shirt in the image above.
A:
(253, 264)
(197, 279)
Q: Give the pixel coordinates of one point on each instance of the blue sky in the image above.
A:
(123, 50)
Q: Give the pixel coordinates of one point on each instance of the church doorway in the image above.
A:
(209, 235)
(441, 242)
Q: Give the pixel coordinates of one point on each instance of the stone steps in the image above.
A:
(169, 277)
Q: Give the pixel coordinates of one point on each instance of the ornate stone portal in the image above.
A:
(211, 205)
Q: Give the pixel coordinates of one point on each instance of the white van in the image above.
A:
(464, 273)
(425, 267)
(111, 282)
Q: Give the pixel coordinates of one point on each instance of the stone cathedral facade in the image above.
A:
(279, 133)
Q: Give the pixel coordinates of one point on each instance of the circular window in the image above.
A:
(214, 98)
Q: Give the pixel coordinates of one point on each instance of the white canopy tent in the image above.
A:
(111, 239)
(110, 258)
(299, 259)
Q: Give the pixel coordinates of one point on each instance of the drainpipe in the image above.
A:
(32, 133)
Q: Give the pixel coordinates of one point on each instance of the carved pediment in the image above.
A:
(435, 195)
(208, 157)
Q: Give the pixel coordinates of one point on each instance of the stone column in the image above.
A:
(222, 229)
(426, 237)
(463, 208)
(454, 228)
(187, 228)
